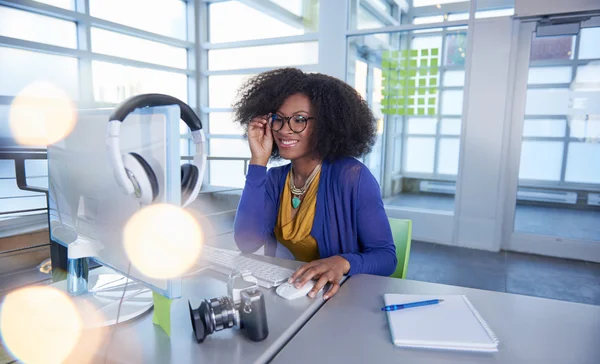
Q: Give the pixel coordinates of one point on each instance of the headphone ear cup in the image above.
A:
(142, 176)
(189, 179)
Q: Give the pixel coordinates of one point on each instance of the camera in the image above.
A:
(244, 308)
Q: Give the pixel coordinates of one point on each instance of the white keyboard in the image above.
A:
(225, 260)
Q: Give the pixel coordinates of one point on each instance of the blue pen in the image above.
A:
(409, 305)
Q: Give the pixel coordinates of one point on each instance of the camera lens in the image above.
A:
(212, 315)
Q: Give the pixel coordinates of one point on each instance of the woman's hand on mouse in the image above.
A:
(327, 270)
(260, 139)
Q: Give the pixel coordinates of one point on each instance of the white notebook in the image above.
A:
(453, 324)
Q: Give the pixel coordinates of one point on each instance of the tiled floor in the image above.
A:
(525, 274)
(553, 221)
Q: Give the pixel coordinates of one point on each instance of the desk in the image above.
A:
(139, 341)
(350, 328)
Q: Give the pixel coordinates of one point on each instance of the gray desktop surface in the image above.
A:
(350, 328)
(140, 341)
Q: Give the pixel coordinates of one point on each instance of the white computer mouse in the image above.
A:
(290, 292)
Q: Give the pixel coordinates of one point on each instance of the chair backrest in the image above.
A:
(402, 234)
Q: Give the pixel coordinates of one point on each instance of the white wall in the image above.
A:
(479, 198)
(548, 7)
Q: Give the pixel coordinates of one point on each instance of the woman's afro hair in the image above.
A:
(344, 124)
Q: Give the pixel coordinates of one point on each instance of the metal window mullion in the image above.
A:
(405, 28)
(83, 54)
(86, 86)
(439, 117)
(202, 19)
(303, 38)
(246, 71)
(563, 166)
(226, 136)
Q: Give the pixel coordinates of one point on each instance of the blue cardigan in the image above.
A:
(350, 219)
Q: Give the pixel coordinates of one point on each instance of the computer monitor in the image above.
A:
(87, 207)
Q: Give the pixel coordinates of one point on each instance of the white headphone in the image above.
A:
(133, 174)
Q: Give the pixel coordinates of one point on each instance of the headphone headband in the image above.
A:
(147, 100)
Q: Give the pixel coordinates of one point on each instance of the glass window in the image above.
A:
(454, 78)
(541, 160)
(448, 156)
(36, 168)
(367, 20)
(544, 128)
(37, 28)
(161, 17)
(420, 153)
(184, 147)
(588, 43)
(377, 94)
(551, 101)
(456, 49)
(121, 45)
(360, 78)
(587, 129)
(548, 75)
(452, 102)
(422, 126)
(421, 3)
(65, 4)
(280, 55)
(229, 147)
(232, 21)
(450, 127)
(23, 203)
(226, 173)
(552, 48)
(19, 68)
(222, 123)
(114, 83)
(494, 13)
(580, 158)
(428, 19)
(294, 6)
(222, 90)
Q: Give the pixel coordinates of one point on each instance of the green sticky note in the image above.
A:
(386, 54)
(411, 111)
(433, 71)
(431, 101)
(411, 91)
(431, 111)
(420, 111)
(394, 75)
(422, 82)
(402, 73)
(432, 90)
(411, 82)
(433, 81)
(405, 53)
(385, 64)
(385, 72)
(412, 63)
(434, 62)
(422, 91)
(423, 71)
(385, 101)
(424, 52)
(401, 111)
(412, 73)
(395, 54)
(421, 101)
(434, 51)
(414, 53)
(162, 312)
(410, 101)
(387, 111)
(394, 64)
(423, 63)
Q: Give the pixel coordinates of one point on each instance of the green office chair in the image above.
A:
(402, 233)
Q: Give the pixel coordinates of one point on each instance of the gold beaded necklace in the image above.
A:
(297, 192)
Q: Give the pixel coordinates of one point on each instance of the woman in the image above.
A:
(325, 206)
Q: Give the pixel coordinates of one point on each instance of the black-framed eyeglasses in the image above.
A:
(297, 123)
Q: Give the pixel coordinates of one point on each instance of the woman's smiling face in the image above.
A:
(293, 139)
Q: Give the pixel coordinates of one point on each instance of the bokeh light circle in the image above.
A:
(39, 325)
(162, 241)
(41, 114)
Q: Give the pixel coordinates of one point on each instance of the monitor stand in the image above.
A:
(105, 289)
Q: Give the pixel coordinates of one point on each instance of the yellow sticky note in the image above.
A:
(162, 312)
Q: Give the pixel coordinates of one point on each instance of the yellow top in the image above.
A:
(294, 233)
